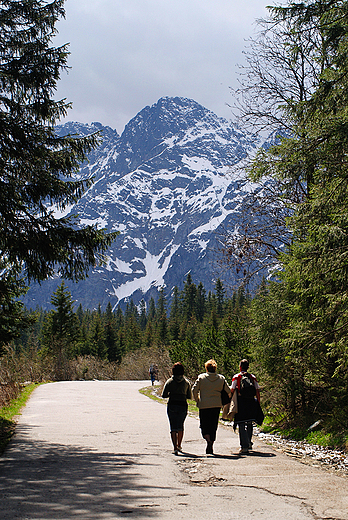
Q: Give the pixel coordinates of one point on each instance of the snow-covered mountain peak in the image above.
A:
(164, 185)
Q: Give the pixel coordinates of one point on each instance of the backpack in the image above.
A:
(247, 388)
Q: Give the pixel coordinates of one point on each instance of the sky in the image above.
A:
(126, 54)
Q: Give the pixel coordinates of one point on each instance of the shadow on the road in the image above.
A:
(188, 455)
(52, 481)
(257, 454)
(230, 457)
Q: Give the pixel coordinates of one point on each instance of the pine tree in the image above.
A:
(161, 319)
(119, 318)
(60, 330)
(188, 298)
(152, 310)
(311, 166)
(200, 302)
(132, 333)
(110, 334)
(36, 166)
(220, 297)
(174, 316)
(96, 339)
(13, 318)
(142, 317)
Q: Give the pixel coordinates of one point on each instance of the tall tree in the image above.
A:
(174, 316)
(36, 166)
(142, 314)
(110, 334)
(161, 319)
(316, 268)
(284, 64)
(152, 310)
(220, 297)
(200, 302)
(60, 330)
(312, 162)
(188, 298)
(96, 338)
(13, 318)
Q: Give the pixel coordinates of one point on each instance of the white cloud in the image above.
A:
(126, 54)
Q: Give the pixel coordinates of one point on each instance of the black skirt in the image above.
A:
(176, 414)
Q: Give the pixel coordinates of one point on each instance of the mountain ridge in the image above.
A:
(167, 185)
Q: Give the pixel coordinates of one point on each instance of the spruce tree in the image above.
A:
(220, 297)
(311, 166)
(13, 318)
(174, 316)
(96, 338)
(142, 314)
(200, 302)
(110, 334)
(188, 298)
(37, 167)
(60, 331)
(161, 319)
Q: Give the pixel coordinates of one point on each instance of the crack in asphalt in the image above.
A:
(194, 470)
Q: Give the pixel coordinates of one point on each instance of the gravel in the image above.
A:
(308, 453)
(331, 459)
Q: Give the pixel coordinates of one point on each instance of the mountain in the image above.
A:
(169, 185)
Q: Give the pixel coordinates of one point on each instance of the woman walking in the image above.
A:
(207, 394)
(178, 389)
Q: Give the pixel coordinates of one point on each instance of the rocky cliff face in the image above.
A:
(167, 184)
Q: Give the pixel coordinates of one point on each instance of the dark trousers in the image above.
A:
(245, 434)
(209, 420)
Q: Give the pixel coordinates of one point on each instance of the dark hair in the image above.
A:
(244, 365)
(178, 369)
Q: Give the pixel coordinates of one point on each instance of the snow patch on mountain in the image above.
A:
(154, 269)
(169, 185)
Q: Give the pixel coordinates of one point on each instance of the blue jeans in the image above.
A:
(245, 434)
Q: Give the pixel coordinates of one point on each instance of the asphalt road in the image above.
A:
(101, 450)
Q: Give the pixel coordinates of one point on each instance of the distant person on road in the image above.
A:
(207, 394)
(153, 373)
(248, 390)
(178, 389)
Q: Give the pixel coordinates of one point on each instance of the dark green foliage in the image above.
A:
(174, 316)
(110, 335)
(61, 324)
(161, 320)
(96, 337)
(142, 312)
(219, 297)
(188, 298)
(300, 324)
(36, 166)
(60, 331)
(109, 321)
(201, 302)
(13, 318)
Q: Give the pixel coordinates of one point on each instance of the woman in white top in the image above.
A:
(207, 394)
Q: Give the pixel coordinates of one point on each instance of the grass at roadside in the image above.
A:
(151, 391)
(320, 435)
(8, 414)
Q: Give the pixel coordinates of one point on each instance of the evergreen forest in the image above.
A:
(197, 326)
(294, 227)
